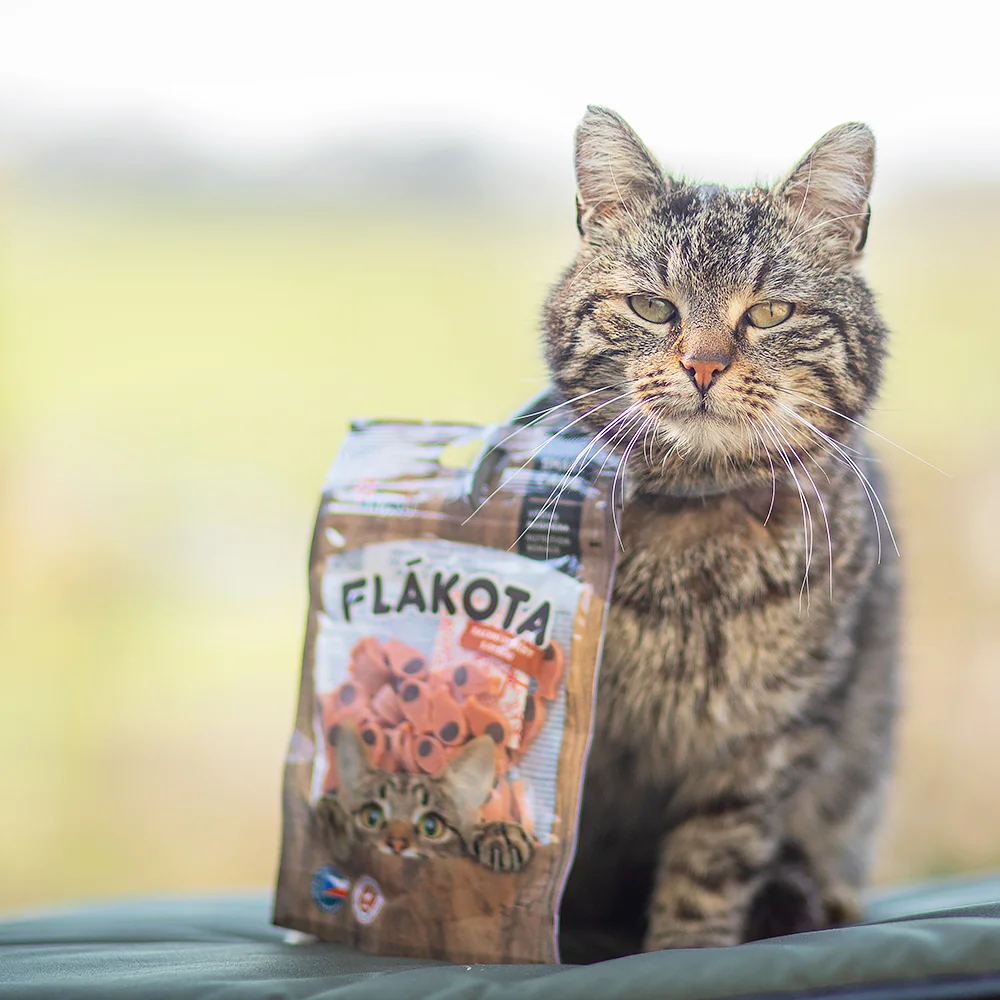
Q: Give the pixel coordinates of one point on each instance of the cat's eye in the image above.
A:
(652, 310)
(431, 826)
(371, 816)
(766, 314)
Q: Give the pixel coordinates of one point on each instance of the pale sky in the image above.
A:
(735, 89)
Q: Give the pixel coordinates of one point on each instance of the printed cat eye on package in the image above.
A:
(459, 579)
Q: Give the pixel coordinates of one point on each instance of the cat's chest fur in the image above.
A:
(708, 639)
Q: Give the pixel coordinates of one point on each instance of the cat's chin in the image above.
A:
(697, 455)
(706, 436)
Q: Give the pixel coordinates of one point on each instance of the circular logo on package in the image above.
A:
(329, 889)
(367, 899)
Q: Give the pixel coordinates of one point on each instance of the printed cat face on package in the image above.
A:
(414, 815)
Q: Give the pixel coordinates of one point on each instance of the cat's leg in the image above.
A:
(784, 844)
(501, 847)
(789, 899)
(727, 833)
(831, 830)
(780, 840)
(711, 866)
(835, 815)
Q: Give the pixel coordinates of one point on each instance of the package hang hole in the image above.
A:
(460, 454)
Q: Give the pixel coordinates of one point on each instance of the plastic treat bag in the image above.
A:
(432, 785)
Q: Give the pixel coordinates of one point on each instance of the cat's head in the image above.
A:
(704, 328)
(414, 815)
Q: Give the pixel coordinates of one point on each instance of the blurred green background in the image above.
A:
(176, 378)
(226, 229)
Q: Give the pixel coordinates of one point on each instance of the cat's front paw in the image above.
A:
(502, 847)
(331, 823)
(842, 905)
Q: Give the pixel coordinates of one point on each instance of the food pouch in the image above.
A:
(432, 785)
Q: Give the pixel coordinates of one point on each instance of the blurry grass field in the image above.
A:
(175, 381)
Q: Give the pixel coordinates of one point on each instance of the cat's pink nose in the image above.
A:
(703, 369)
(398, 844)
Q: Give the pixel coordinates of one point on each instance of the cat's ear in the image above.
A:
(470, 775)
(352, 762)
(829, 187)
(615, 172)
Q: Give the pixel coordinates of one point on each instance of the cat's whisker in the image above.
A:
(622, 468)
(582, 457)
(750, 444)
(649, 439)
(753, 441)
(672, 447)
(622, 432)
(819, 225)
(756, 442)
(590, 263)
(781, 444)
(819, 496)
(540, 448)
(807, 521)
(812, 442)
(774, 478)
(551, 504)
(551, 409)
(870, 491)
(667, 455)
(864, 427)
(805, 195)
(774, 483)
(552, 501)
(807, 442)
(839, 452)
(564, 482)
(812, 458)
(611, 170)
(826, 475)
(632, 412)
(655, 422)
(541, 414)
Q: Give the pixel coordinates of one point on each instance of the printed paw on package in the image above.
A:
(433, 780)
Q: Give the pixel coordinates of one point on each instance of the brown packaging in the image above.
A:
(456, 613)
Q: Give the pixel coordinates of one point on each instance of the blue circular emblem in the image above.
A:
(329, 888)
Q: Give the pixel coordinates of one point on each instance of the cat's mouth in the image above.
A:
(700, 410)
(702, 427)
(399, 850)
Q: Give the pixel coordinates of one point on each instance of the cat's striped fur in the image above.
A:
(748, 687)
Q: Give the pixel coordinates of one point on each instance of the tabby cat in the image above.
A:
(419, 816)
(725, 347)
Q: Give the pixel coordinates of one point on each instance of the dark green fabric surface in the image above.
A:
(938, 940)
